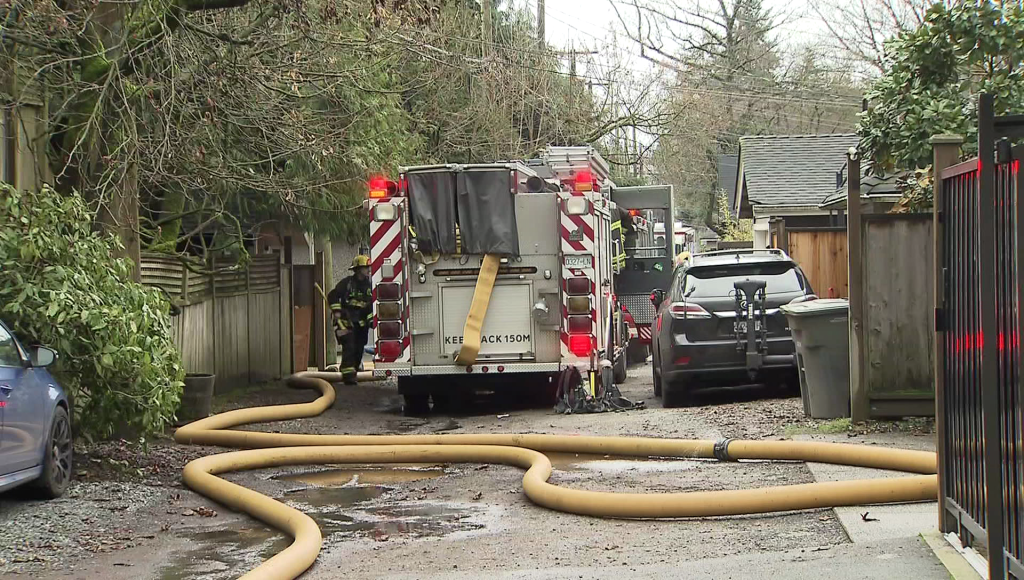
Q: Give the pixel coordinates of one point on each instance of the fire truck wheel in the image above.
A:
(416, 405)
(619, 370)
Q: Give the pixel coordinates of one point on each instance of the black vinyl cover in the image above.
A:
(487, 212)
(432, 199)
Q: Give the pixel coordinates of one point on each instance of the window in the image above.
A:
(717, 282)
(10, 354)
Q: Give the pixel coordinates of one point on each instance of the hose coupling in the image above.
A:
(721, 450)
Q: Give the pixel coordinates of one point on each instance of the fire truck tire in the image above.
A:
(526, 451)
(416, 394)
(619, 370)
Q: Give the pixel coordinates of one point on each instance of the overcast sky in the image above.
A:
(590, 23)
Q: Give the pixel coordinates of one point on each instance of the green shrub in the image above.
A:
(60, 285)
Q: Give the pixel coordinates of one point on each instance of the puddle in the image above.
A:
(618, 463)
(367, 476)
(343, 513)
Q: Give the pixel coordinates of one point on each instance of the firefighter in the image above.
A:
(352, 310)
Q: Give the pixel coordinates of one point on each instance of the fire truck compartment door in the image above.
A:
(508, 325)
(487, 212)
(432, 204)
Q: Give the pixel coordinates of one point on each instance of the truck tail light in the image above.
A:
(389, 330)
(389, 349)
(389, 291)
(577, 205)
(584, 181)
(579, 324)
(581, 344)
(684, 310)
(381, 188)
(389, 310)
(579, 305)
(385, 212)
(578, 286)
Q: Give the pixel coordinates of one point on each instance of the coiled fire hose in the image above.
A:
(526, 452)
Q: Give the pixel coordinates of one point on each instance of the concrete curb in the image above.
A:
(958, 566)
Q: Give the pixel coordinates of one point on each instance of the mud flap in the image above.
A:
(575, 397)
(478, 310)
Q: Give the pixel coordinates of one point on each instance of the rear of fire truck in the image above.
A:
(490, 276)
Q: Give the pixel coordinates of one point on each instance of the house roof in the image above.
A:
(789, 170)
(727, 167)
(872, 187)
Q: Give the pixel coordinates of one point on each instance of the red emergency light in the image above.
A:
(584, 181)
(634, 212)
(381, 187)
(581, 344)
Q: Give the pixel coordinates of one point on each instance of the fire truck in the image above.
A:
(515, 258)
(649, 257)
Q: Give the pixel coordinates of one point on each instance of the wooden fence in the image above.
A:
(235, 324)
(821, 253)
(897, 361)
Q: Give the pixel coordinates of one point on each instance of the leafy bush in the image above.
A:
(60, 285)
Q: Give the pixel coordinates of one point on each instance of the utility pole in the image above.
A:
(487, 6)
(541, 39)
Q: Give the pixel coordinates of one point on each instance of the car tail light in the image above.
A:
(579, 324)
(389, 310)
(390, 330)
(579, 305)
(581, 344)
(389, 292)
(684, 310)
(578, 286)
(389, 349)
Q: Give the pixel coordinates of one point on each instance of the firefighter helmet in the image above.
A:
(360, 262)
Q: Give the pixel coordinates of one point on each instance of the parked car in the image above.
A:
(35, 425)
(709, 333)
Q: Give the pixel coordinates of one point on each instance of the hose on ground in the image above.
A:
(263, 450)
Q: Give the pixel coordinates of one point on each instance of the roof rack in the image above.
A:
(770, 251)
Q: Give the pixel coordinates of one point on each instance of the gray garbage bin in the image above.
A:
(821, 331)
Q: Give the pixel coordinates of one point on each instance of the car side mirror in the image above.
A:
(42, 356)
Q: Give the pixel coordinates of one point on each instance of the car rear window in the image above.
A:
(717, 281)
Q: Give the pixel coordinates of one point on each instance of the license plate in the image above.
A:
(741, 326)
(579, 261)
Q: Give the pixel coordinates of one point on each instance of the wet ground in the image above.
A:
(429, 520)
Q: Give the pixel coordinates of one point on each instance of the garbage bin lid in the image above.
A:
(817, 307)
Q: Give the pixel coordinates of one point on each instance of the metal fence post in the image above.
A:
(989, 348)
(945, 153)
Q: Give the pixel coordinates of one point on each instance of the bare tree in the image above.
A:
(861, 27)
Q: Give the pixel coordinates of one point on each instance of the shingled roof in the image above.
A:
(789, 170)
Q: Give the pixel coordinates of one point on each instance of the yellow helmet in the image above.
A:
(360, 262)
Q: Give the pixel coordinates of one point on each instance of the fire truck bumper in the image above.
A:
(404, 370)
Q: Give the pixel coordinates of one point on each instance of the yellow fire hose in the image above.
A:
(478, 310)
(526, 452)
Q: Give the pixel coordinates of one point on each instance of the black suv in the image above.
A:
(719, 323)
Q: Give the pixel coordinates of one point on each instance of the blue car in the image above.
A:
(35, 425)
